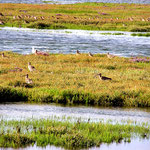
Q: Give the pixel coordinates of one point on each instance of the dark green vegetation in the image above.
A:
(87, 16)
(141, 34)
(112, 33)
(70, 79)
(69, 135)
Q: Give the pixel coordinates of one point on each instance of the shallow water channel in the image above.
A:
(21, 111)
(68, 41)
(74, 1)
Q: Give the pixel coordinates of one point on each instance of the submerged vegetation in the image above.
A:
(69, 135)
(72, 79)
(87, 16)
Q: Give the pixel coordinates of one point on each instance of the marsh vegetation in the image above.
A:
(45, 132)
(87, 16)
(72, 79)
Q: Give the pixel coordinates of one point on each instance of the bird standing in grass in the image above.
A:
(27, 80)
(110, 56)
(30, 67)
(77, 52)
(102, 77)
(90, 54)
(3, 55)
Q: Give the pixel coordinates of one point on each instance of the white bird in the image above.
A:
(33, 50)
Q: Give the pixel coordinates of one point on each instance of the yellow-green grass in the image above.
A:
(71, 79)
(76, 135)
(88, 16)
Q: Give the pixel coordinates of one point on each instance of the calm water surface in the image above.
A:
(22, 111)
(68, 41)
(75, 1)
(136, 144)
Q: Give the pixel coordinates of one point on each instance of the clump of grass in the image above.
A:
(118, 33)
(112, 33)
(139, 29)
(66, 134)
(39, 25)
(15, 140)
(141, 34)
(11, 95)
(20, 84)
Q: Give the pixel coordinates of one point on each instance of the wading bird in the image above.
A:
(90, 54)
(27, 80)
(77, 52)
(41, 53)
(3, 56)
(102, 77)
(110, 56)
(30, 67)
(38, 52)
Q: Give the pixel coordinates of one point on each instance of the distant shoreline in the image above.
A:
(76, 1)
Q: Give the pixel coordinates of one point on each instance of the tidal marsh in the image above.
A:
(87, 16)
(71, 79)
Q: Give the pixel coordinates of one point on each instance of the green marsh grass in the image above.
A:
(141, 34)
(86, 16)
(76, 135)
(70, 79)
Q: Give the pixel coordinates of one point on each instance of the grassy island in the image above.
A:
(77, 135)
(87, 16)
(71, 79)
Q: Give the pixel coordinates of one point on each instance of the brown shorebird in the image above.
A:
(16, 69)
(30, 67)
(90, 54)
(110, 56)
(102, 77)
(38, 52)
(77, 52)
(27, 80)
(3, 56)
(41, 53)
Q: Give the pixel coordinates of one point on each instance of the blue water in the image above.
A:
(68, 41)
